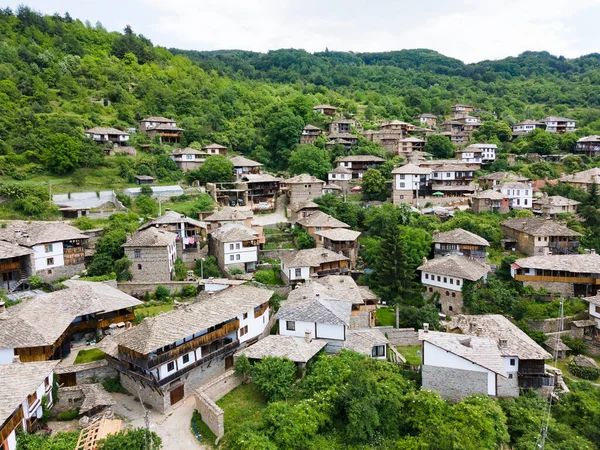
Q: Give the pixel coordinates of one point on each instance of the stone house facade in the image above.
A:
(153, 252)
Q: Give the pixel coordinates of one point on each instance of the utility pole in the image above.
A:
(50, 192)
(146, 420)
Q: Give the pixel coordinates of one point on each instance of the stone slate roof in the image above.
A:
(362, 340)
(171, 218)
(556, 344)
(320, 219)
(361, 158)
(568, 263)
(242, 161)
(556, 200)
(459, 236)
(499, 176)
(312, 128)
(530, 122)
(157, 119)
(594, 138)
(187, 151)
(94, 396)
(316, 309)
(41, 320)
(412, 139)
(336, 286)
(479, 350)
(324, 107)
(304, 178)
(166, 328)
(586, 176)
(456, 266)
(490, 194)
(594, 300)
(411, 169)
(9, 250)
(511, 340)
(513, 185)
(28, 234)
(234, 232)
(535, 226)
(557, 119)
(260, 178)
(20, 380)
(296, 349)
(106, 130)
(303, 205)
(341, 169)
(312, 257)
(213, 145)
(339, 234)
(151, 237)
(479, 146)
(166, 127)
(229, 214)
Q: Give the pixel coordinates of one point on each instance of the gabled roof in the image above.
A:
(166, 127)
(338, 286)
(312, 128)
(296, 349)
(513, 185)
(151, 237)
(309, 204)
(187, 151)
(229, 214)
(491, 195)
(214, 145)
(324, 107)
(412, 139)
(167, 328)
(235, 232)
(412, 169)
(557, 119)
(28, 234)
(539, 227)
(312, 257)
(19, 380)
(511, 340)
(594, 138)
(427, 116)
(303, 178)
(479, 146)
(456, 266)
(499, 176)
(339, 234)
(170, 218)
(586, 176)
(316, 308)
(479, 350)
(362, 340)
(320, 219)
(361, 158)
(556, 200)
(41, 320)
(106, 130)
(529, 122)
(157, 119)
(341, 169)
(260, 178)
(567, 263)
(242, 161)
(459, 236)
(9, 250)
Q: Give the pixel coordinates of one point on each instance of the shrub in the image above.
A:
(274, 377)
(35, 282)
(242, 367)
(68, 415)
(114, 385)
(162, 292)
(189, 291)
(586, 373)
(267, 276)
(84, 223)
(236, 271)
(577, 345)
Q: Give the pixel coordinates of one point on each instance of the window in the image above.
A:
(445, 280)
(137, 253)
(450, 307)
(290, 325)
(510, 376)
(49, 261)
(237, 246)
(230, 246)
(50, 272)
(402, 185)
(447, 175)
(512, 361)
(186, 358)
(48, 248)
(439, 278)
(430, 289)
(451, 280)
(298, 272)
(237, 257)
(402, 177)
(427, 276)
(378, 351)
(447, 294)
(171, 366)
(458, 282)
(245, 316)
(243, 330)
(139, 267)
(453, 294)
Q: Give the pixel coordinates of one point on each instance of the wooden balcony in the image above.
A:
(12, 423)
(259, 312)
(10, 266)
(557, 279)
(101, 323)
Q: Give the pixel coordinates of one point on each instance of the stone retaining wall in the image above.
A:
(401, 336)
(550, 325)
(207, 395)
(277, 254)
(88, 373)
(139, 290)
(454, 384)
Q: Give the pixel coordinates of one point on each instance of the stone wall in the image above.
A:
(276, 254)
(68, 398)
(207, 395)
(451, 304)
(154, 397)
(401, 336)
(139, 289)
(88, 373)
(507, 387)
(152, 265)
(557, 288)
(61, 272)
(454, 384)
(550, 325)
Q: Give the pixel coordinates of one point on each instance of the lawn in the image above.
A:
(207, 437)
(243, 404)
(151, 311)
(86, 356)
(268, 277)
(386, 316)
(410, 353)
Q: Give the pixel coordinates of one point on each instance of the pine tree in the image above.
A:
(394, 277)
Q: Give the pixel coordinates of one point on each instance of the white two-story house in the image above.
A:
(410, 181)
(488, 151)
(235, 246)
(520, 194)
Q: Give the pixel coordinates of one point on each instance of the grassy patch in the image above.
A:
(86, 356)
(207, 437)
(151, 311)
(268, 231)
(386, 316)
(242, 404)
(354, 197)
(410, 353)
(268, 277)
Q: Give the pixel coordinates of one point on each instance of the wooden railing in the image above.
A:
(14, 422)
(261, 311)
(101, 323)
(555, 279)
(16, 265)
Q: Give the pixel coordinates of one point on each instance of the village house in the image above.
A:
(550, 206)
(235, 247)
(302, 188)
(261, 190)
(21, 391)
(346, 140)
(534, 236)
(520, 195)
(457, 366)
(409, 145)
(152, 252)
(58, 249)
(397, 126)
(108, 135)
(42, 327)
(453, 180)
(359, 164)
(244, 166)
(582, 180)
(559, 125)
(462, 109)
(157, 191)
(312, 262)
(527, 126)
(299, 210)
(161, 128)
(340, 176)
(340, 240)
(410, 181)
(469, 123)
(191, 233)
(341, 126)
(446, 276)
(569, 275)
(328, 110)
(144, 179)
(524, 360)
(215, 149)
(494, 179)
(93, 204)
(427, 120)
(228, 215)
(17, 264)
(589, 146)
(319, 221)
(459, 242)
(187, 159)
(469, 154)
(488, 151)
(165, 358)
(309, 135)
(490, 200)
(594, 311)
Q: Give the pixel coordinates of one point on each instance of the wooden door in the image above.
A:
(67, 379)
(176, 394)
(229, 362)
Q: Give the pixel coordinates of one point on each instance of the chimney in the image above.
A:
(308, 336)
(436, 234)
(425, 327)
(424, 260)
(16, 359)
(503, 343)
(479, 331)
